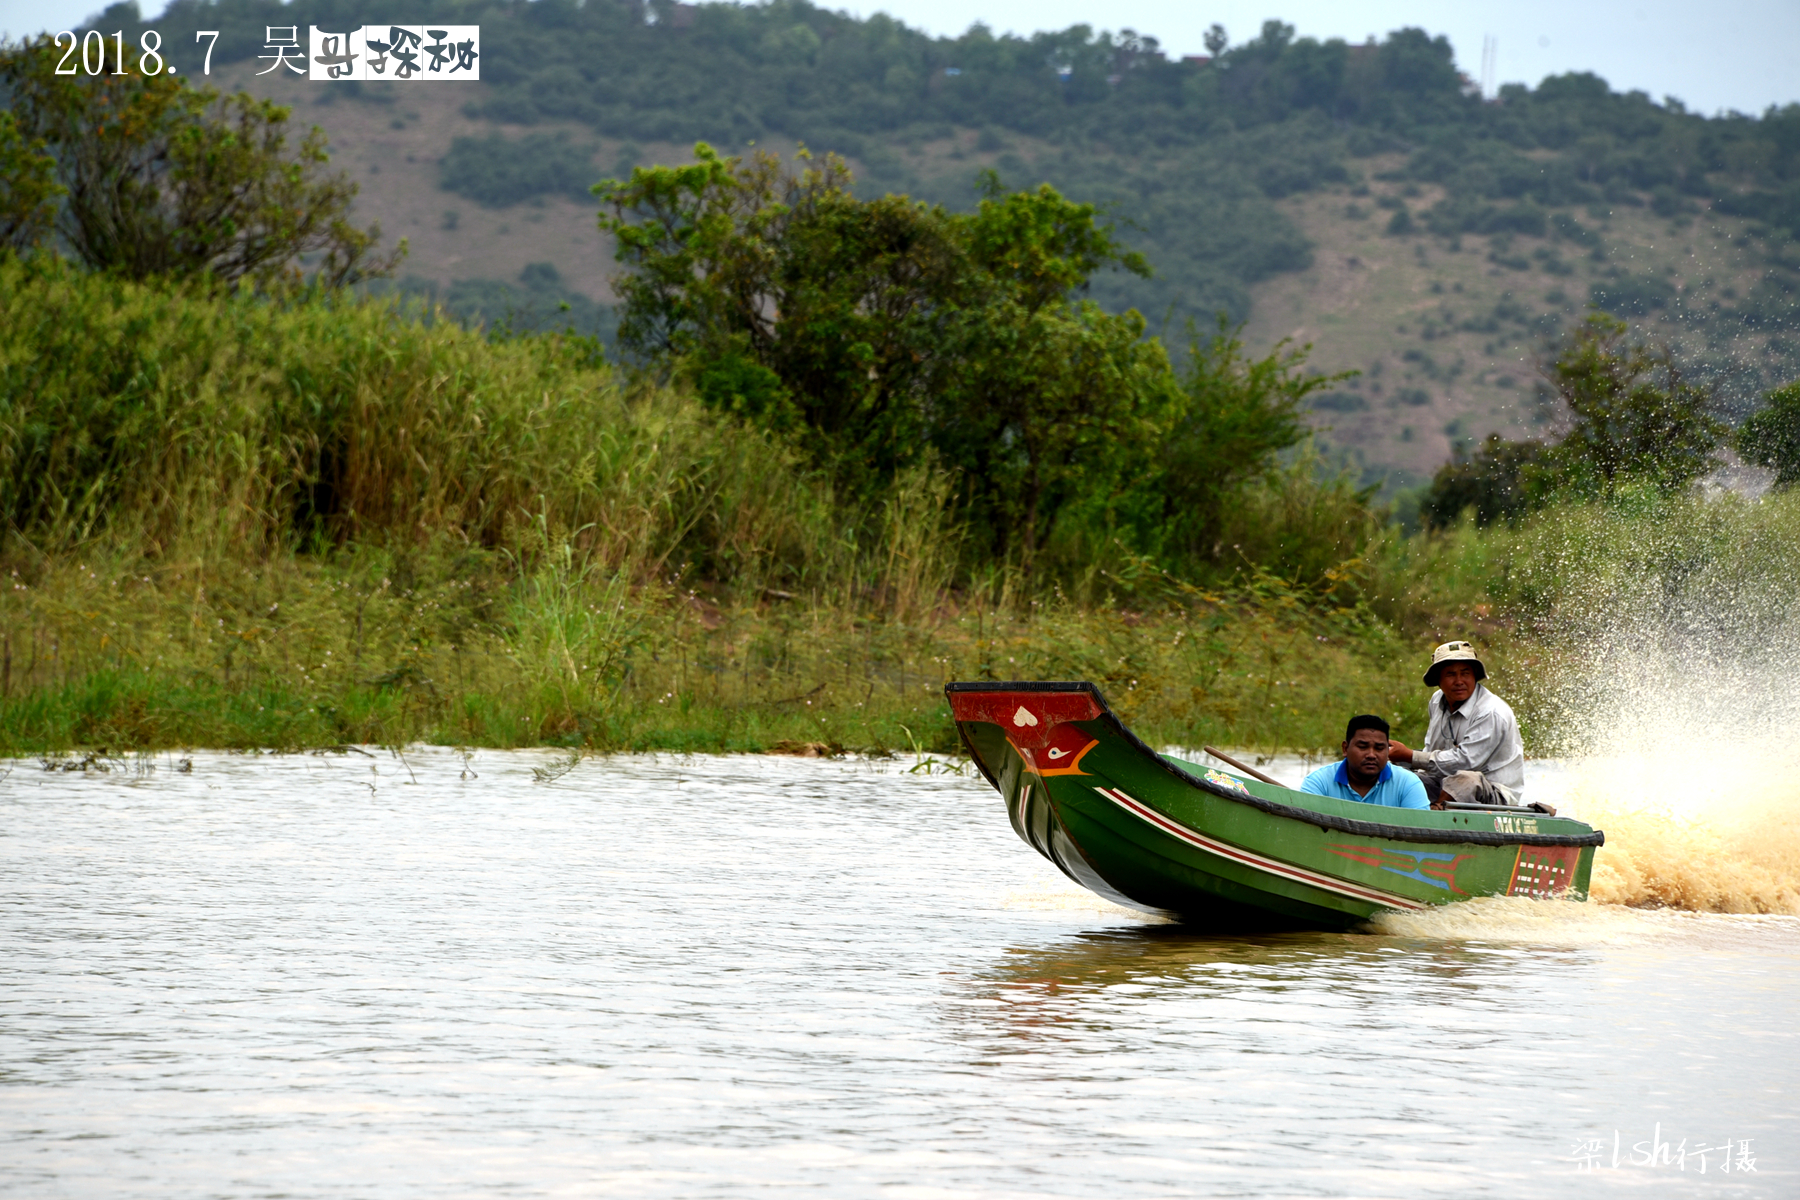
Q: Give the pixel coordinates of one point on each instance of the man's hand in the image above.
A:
(1399, 751)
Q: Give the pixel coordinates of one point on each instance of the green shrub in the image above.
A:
(1499, 481)
(1771, 437)
(499, 171)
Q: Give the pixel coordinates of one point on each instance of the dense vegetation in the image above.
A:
(497, 171)
(540, 300)
(1771, 437)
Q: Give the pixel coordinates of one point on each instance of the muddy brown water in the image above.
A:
(344, 976)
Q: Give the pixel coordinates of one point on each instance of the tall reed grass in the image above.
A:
(175, 424)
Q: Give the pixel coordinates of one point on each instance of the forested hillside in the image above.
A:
(1259, 181)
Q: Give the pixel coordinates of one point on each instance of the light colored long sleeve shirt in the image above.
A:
(1482, 735)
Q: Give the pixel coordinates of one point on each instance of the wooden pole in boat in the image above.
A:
(1252, 772)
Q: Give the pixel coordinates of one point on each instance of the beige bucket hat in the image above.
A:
(1451, 652)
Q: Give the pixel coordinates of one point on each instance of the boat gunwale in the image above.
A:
(1398, 833)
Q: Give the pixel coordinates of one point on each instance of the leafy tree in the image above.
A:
(1047, 403)
(166, 180)
(1499, 481)
(1235, 416)
(1037, 247)
(784, 298)
(1771, 437)
(1637, 417)
(1216, 40)
(28, 188)
(1051, 414)
(1416, 64)
(878, 329)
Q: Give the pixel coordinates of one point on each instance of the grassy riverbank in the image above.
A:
(456, 647)
(461, 645)
(233, 523)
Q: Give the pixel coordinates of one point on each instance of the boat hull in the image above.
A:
(1156, 833)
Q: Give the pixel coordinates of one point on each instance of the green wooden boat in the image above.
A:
(1153, 832)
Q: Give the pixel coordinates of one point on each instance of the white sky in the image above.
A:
(1742, 54)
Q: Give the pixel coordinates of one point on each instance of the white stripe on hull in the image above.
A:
(1236, 854)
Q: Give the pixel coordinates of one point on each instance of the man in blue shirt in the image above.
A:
(1364, 774)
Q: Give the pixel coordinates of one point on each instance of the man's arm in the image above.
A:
(1400, 752)
(1481, 737)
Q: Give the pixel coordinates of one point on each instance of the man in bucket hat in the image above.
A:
(1472, 752)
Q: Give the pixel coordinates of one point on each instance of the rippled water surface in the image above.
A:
(344, 976)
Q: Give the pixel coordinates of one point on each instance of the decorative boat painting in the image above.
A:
(1156, 833)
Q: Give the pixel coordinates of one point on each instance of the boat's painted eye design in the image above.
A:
(1062, 751)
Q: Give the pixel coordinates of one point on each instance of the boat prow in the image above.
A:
(1157, 833)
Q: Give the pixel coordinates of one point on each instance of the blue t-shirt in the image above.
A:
(1396, 789)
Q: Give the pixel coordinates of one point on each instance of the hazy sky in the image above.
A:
(1742, 54)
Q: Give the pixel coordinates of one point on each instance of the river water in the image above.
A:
(349, 976)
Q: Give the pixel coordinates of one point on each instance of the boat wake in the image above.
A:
(1520, 920)
(1727, 843)
(1060, 897)
(1516, 919)
(1676, 710)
